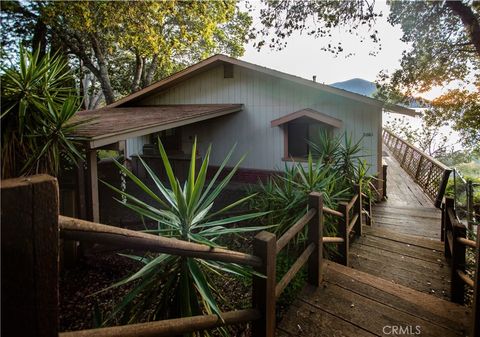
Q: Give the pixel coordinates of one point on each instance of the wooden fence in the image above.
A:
(429, 173)
(454, 235)
(32, 227)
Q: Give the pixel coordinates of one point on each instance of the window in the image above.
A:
(300, 133)
(302, 127)
(170, 138)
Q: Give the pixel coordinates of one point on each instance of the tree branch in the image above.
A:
(470, 22)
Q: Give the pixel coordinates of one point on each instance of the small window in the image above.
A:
(300, 133)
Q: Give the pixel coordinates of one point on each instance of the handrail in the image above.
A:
(352, 223)
(297, 227)
(332, 212)
(81, 230)
(352, 202)
(171, 327)
(465, 278)
(425, 155)
(290, 274)
(429, 173)
(467, 242)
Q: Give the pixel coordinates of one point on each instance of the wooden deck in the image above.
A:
(397, 276)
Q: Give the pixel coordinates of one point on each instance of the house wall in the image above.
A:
(265, 98)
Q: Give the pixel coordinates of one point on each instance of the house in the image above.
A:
(223, 101)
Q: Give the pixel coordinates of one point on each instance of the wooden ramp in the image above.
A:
(354, 303)
(397, 277)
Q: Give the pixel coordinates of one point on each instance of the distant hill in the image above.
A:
(367, 88)
(358, 86)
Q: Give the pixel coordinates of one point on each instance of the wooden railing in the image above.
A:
(429, 173)
(456, 244)
(31, 230)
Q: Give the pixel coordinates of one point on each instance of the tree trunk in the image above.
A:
(39, 39)
(151, 70)
(103, 76)
(470, 22)
(138, 73)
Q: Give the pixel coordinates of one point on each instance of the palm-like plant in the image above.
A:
(38, 103)
(172, 285)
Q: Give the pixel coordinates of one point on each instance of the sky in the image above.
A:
(303, 57)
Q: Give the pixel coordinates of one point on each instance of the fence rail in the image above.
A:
(30, 234)
(456, 244)
(429, 173)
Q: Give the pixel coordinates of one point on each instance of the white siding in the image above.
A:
(265, 98)
(135, 145)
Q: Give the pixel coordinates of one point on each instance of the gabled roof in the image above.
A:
(309, 113)
(109, 125)
(220, 59)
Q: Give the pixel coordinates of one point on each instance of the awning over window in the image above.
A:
(308, 113)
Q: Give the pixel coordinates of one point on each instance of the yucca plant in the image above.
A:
(169, 285)
(38, 103)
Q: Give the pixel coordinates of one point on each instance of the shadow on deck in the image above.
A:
(398, 281)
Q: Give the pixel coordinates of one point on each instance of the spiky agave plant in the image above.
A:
(169, 285)
(38, 105)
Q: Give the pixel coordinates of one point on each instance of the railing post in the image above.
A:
(419, 168)
(442, 187)
(315, 235)
(263, 292)
(369, 217)
(404, 157)
(357, 208)
(447, 225)
(457, 291)
(384, 172)
(29, 218)
(343, 233)
(476, 291)
(469, 193)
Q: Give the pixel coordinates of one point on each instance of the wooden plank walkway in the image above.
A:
(354, 303)
(397, 276)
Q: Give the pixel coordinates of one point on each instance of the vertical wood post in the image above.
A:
(442, 187)
(384, 192)
(263, 292)
(369, 217)
(343, 233)
(419, 168)
(81, 195)
(447, 225)
(29, 218)
(93, 209)
(476, 291)
(470, 210)
(457, 291)
(357, 209)
(315, 235)
(404, 157)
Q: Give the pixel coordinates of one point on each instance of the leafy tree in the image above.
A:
(38, 104)
(445, 49)
(128, 44)
(317, 18)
